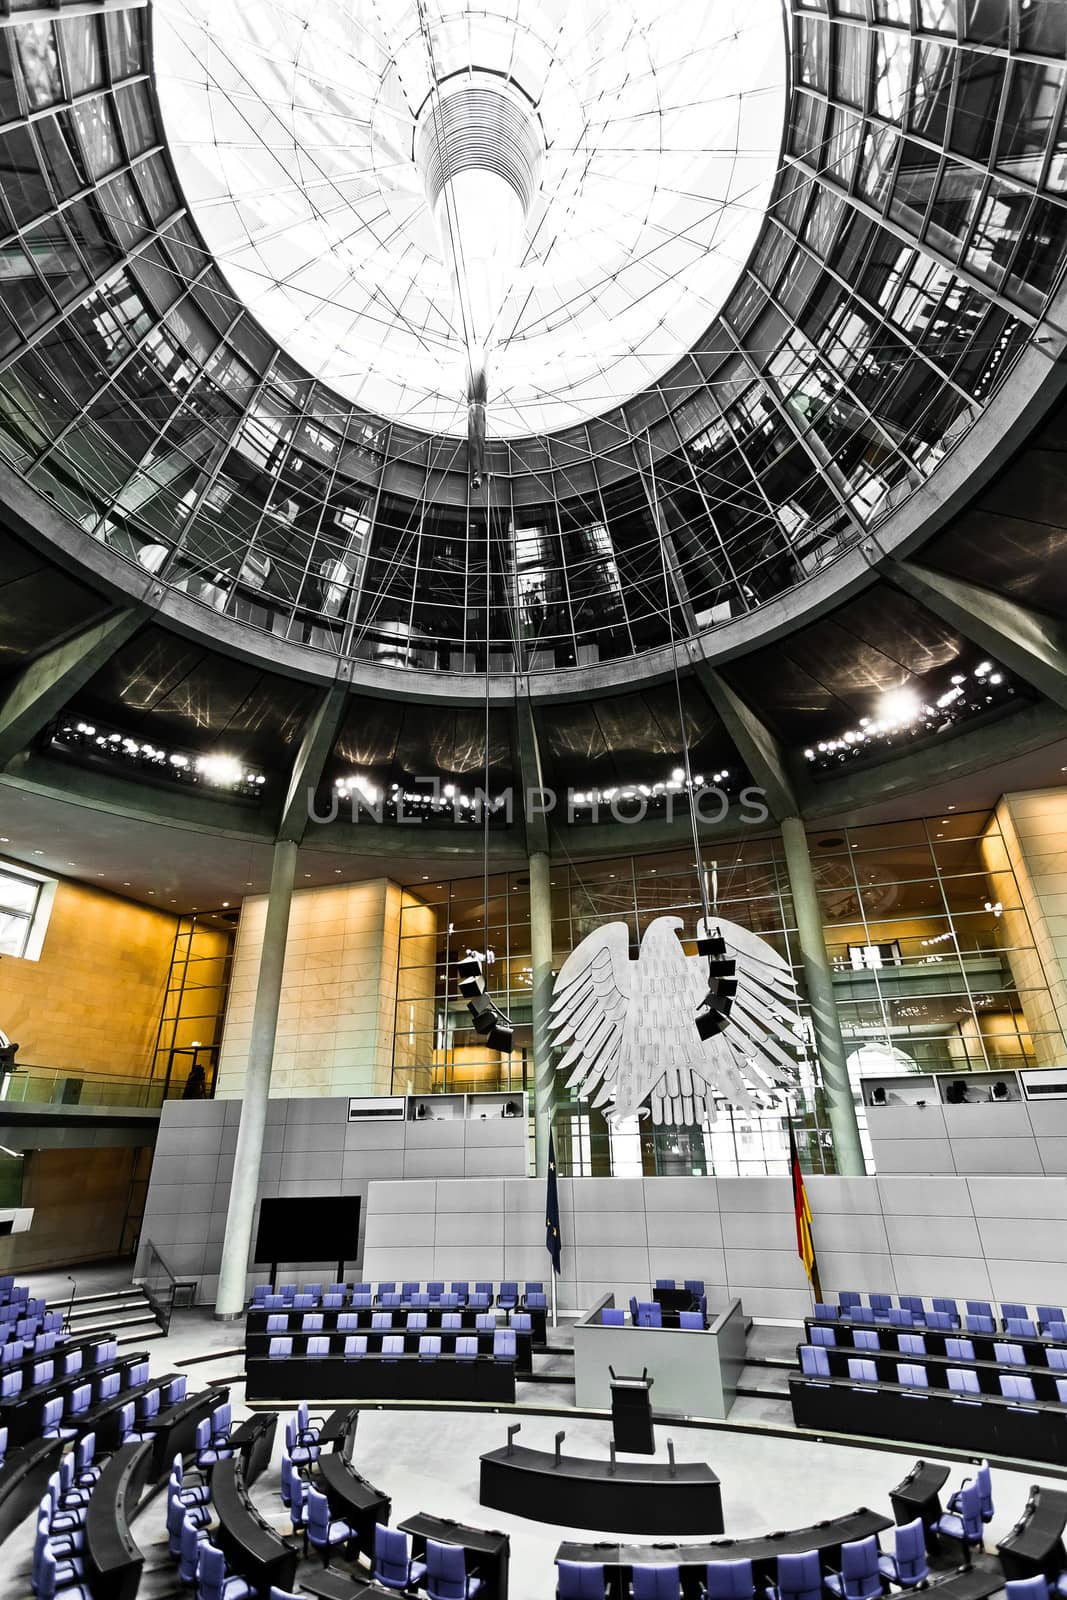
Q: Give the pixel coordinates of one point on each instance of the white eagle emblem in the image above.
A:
(632, 1025)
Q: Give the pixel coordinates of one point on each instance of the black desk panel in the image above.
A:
(988, 1373)
(352, 1499)
(24, 1479)
(371, 1378)
(919, 1494)
(252, 1547)
(113, 1561)
(1035, 1544)
(619, 1560)
(174, 1428)
(329, 1584)
(979, 1425)
(1034, 1349)
(253, 1444)
(338, 1432)
(488, 1551)
(639, 1497)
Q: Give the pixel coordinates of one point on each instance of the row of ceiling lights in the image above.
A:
(217, 770)
(902, 711)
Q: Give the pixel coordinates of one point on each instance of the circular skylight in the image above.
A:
(293, 124)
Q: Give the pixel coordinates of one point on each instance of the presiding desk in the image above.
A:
(113, 1562)
(980, 1424)
(253, 1549)
(24, 1479)
(637, 1497)
(619, 1560)
(372, 1378)
(488, 1552)
(1035, 1544)
(352, 1499)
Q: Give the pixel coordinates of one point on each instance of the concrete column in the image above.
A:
(818, 977)
(230, 1300)
(541, 963)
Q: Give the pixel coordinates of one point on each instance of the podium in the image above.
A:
(631, 1414)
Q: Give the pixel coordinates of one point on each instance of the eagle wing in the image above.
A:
(591, 998)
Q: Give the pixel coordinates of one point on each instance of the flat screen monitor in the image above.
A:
(313, 1228)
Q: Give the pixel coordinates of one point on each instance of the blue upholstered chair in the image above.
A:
(691, 1319)
(1009, 1355)
(355, 1346)
(728, 1580)
(799, 1577)
(983, 1482)
(866, 1339)
(912, 1374)
(949, 1308)
(907, 1566)
(962, 1380)
(212, 1580)
(580, 1580)
(325, 1533)
(280, 1348)
(814, 1362)
(862, 1370)
(1020, 1327)
(393, 1566)
(911, 1344)
(446, 1572)
(975, 1323)
(429, 1347)
(656, 1582)
(958, 1349)
(964, 1524)
(1017, 1386)
(613, 1317)
(827, 1337)
(504, 1345)
(859, 1578)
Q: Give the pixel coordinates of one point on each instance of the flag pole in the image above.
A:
(553, 1299)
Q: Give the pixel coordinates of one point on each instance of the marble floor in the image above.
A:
(428, 1460)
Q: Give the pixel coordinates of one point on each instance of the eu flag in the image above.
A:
(553, 1243)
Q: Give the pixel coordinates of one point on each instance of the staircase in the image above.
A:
(770, 1356)
(127, 1313)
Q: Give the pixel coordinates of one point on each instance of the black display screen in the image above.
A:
(319, 1228)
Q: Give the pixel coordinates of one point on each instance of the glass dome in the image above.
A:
(292, 124)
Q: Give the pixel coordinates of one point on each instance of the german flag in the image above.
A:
(802, 1212)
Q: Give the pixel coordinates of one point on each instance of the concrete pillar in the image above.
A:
(541, 963)
(818, 978)
(230, 1300)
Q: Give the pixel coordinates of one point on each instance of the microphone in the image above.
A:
(70, 1304)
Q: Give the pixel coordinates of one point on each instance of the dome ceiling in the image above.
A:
(292, 124)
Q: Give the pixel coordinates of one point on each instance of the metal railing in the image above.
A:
(159, 1284)
(51, 1086)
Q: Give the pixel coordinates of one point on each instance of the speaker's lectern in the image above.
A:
(631, 1414)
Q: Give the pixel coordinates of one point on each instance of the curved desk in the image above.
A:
(254, 1550)
(638, 1497)
(1035, 1544)
(352, 1499)
(173, 1430)
(372, 1378)
(24, 1479)
(113, 1561)
(618, 1560)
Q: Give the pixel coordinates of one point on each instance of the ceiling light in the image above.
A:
(898, 707)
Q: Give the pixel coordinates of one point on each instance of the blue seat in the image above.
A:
(959, 1349)
(983, 1482)
(420, 1301)
(1035, 1588)
(409, 1288)
(1020, 1327)
(417, 1321)
(948, 1308)
(434, 1291)
(318, 1345)
(580, 1580)
(280, 1349)
(392, 1346)
(478, 1300)
(1057, 1330)
(393, 1566)
(822, 1336)
(467, 1347)
(1056, 1358)
(728, 1580)
(429, 1347)
(1013, 1308)
(384, 1288)
(325, 1533)
(907, 1567)
(691, 1319)
(508, 1296)
(483, 1286)
(914, 1304)
(347, 1322)
(533, 1286)
(613, 1317)
(208, 1450)
(193, 1535)
(799, 1577)
(849, 1301)
(814, 1362)
(695, 1287)
(1016, 1386)
(862, 1370)
(305, 1302)
(666, 1283)
(649, 1314)
(912, 1344)
(941, 1321)
(899, 1318)
(975, 1323)
(880, 1305)
(962, 1380)
(866, 1339)
(451, 1321)
(355, 1346)
(381, 1321)
(965, 1523)
(391, 1301)
(446, 1572)
(461, 1289)
(1009, 1355)
(656, 1582)
(311, 1322)
(912, 1374)
(1048, 1314)
(504, 1345)
(450, 1302)
(823, 1311)
(58, 1579)
(859, 1578)
(212, 1580)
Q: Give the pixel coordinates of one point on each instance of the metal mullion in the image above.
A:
(956, 944)
(57, 13)
(698, 490)
(355, 596)
(226, 445)
(113, 376)
(931, 36)
(666, 541)
(614, 556)
(154, 236)
(914, 242)
(273, 494)
(16, 235)
(71, 102)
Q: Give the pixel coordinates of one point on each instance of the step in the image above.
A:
(768, 1382)
(95, 1299)
(119, 1326)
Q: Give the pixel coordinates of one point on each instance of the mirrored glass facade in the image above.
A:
(913, 241)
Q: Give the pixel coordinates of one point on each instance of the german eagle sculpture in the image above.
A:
(671, 1034)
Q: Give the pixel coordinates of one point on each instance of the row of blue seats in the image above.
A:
(464, 1347)
(957, 1348)
(649, 1314)
(414, 1321)
(444, 1571)
(911, 1308)
(26, 1329)
(814, 1363)
(410, 1294)
(36, 1345)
